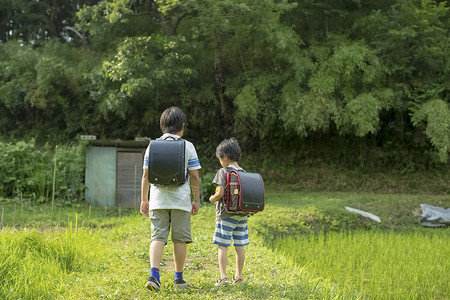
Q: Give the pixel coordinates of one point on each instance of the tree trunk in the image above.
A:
(218, 73)
(54, 19)
(171, 26)
(79, 34)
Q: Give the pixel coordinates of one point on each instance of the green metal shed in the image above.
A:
(113, 172)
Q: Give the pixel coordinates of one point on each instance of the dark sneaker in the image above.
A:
(180, 283)
(153, 284)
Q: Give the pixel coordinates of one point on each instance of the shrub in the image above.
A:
(27, 172)
(208, 187)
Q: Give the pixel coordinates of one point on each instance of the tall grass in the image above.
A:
(35, 265)
(27, 214)
(383, 265)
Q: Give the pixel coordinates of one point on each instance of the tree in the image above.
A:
(346, 88)
(242, 43)
(39, 21)
(41, 91)
(412, 38)
(273, 72)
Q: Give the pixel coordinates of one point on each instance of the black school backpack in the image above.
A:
(166, 162)
(245, 194)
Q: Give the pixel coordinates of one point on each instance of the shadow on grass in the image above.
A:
(246, 290)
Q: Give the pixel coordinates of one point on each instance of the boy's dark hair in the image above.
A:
(172, 120)
(230, 148)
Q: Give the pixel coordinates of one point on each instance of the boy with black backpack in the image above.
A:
(169, 206)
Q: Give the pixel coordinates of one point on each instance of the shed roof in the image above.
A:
(120, 143)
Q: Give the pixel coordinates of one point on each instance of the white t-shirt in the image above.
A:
(174, 197)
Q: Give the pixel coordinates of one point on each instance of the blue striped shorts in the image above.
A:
(233, 227)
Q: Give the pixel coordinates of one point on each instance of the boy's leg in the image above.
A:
(160, 231)
(179, 256)
(240, 239)
(223, 260)
(222, 238)
(160, 220)
(240, 260)
(156, 253)
(181, 235)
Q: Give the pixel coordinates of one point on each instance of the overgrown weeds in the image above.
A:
(35, 265)
(28, 172)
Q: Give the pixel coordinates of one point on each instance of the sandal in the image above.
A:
(237, 281)
(222, 282)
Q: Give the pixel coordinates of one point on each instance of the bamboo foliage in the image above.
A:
(263, 70)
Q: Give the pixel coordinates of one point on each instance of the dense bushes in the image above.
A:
(271, 73)
(28, 172)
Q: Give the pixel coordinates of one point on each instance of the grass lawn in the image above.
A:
(89, 256)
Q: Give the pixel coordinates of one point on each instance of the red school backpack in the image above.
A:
(245, 194)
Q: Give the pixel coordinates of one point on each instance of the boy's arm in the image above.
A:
(220, 191)
(194, 178)
(145, 186)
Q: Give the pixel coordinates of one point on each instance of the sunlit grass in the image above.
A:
(35, 265)
(267, 274)
(383, 265)
(104, 254)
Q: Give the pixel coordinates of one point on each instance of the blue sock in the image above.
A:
(155, 273)
(179, 275)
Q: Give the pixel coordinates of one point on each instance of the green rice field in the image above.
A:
(303, 246)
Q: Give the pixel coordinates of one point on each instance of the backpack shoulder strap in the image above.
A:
(171, 137)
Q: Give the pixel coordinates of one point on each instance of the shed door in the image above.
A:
(129, 175)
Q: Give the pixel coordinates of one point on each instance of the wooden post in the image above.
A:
(135, 181)
(59, 213)
(21, 207)
(54, 180)
(3, 213)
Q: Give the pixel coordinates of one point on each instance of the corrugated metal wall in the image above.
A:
(129, 175)
(100, 176)
(113, 176)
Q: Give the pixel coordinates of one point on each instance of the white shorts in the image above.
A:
(233, 227)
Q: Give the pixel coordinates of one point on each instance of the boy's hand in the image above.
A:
(144, 208)
(195, 207)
